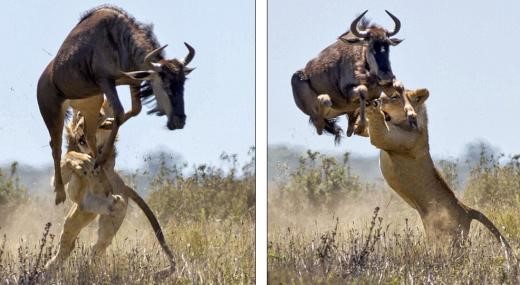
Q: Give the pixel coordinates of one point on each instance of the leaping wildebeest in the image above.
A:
(108, 47)
(346, 74)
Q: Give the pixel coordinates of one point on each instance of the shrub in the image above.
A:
(12, 193)
(319, 181)
(208, 192)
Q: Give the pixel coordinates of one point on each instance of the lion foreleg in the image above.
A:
(387, 137)
(75, 221)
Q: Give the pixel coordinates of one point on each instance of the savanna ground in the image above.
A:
(206, 212)
(327, 226)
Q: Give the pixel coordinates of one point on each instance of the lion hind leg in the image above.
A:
(76, 220)
(108, 227)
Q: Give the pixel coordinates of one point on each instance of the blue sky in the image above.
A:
(219, 95)
(465, 53)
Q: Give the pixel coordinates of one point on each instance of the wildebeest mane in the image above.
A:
(138, 38)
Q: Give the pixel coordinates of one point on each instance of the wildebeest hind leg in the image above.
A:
(360, 92)
(306, 99)
(53, 113)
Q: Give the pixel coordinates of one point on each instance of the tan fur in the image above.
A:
(408, 168)
(96, 192)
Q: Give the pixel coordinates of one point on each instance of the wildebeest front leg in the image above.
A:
(136, 103)
(408, 108)
(109, 88)
(360, 92)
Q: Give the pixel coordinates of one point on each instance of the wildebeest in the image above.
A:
(345, 74)
(108, 47)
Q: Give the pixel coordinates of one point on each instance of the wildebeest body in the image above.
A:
(346, 74)
(107, 48)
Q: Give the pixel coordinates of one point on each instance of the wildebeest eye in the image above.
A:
(394, 97)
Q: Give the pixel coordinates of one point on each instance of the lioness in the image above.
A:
(102, 194)
(408, 168)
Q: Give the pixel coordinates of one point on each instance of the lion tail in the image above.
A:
(479, 216)
(155, 225)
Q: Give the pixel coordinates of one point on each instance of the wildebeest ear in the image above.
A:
(421, 95)
(188, 70)
(395, 41)
(140, 75)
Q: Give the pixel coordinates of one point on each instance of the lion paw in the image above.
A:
(325, 100)
(118, 204)
(81, 163)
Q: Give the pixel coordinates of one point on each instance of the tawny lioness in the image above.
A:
(408, 168)
(102, 194)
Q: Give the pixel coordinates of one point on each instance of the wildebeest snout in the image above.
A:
(385, 78)
(176, 122)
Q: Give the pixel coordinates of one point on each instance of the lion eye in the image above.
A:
(82, 140)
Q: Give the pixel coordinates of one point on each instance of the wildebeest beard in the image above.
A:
(147, 97)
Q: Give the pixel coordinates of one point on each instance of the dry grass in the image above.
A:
(343, 240)
(214, 248)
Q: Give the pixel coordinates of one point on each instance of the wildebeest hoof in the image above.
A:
(325, 100)
(350, 130)
(107, 124)
(359, 129)
(60, 196)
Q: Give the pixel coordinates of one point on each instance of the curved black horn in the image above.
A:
(354, 24)
(190, 55)
(397, 25)
(153, 53)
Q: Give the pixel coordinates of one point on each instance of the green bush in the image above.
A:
(12, 193)
(208, 192)
(319, 180)
(493, 184)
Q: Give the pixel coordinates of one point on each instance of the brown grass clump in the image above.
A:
(215, 247)
(314, 241)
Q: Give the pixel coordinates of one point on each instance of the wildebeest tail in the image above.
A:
(153, 221)
(333, 128)
(479, 216)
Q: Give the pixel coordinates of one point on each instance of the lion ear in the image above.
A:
(421, 95)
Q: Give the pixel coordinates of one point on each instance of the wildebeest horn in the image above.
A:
(191, 54)
(153, 53)
(397, 25)
(353, 27)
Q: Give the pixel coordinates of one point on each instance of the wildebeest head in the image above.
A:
(378, 40)
(167, 78)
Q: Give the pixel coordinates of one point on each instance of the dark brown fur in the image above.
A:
(107, 48)
(344, 73)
